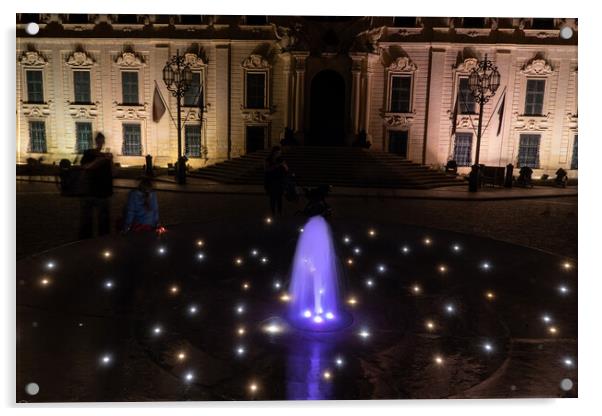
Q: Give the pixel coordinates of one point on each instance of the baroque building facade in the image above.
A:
(325, 80)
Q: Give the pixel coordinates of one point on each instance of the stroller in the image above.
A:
(316, 201)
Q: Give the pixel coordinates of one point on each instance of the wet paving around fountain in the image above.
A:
(201, 314)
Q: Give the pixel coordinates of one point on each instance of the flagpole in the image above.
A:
(166, 105)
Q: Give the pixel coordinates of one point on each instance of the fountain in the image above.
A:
(314, 288)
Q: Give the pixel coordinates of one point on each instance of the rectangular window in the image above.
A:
(83, 137)
(193, 95)
(132, 141)
(398, 143)
(463, 149)
(574, 156)
(129, 85)
(400, 94)
(256, 136)
(81, 87)
(37, 137)
(534, 97)
(192, 141)
(35, 86)
(466, 103)
(256, 90)
(528, 151)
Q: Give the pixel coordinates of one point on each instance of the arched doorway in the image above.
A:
(327, 109)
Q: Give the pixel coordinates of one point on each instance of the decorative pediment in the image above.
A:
(257, 116)
(194, 61)
(131, 112)
(36, 110)
(537, 66)
(129, 59)
(467, 65)
(32, 58)
(397, 120)
(466, 122)
(402, 64)
(83, 111)
(80, 59)
(255, 62)
(533, 123)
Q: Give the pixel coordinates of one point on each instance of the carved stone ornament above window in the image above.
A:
(80, 59)
(398, 120)
(131, 112)
(533, 123)
(573, 121)
(537, 66)
(36, 110)
(465, 122)
(194, 61)
(467, 65)
(32, 58)
(85, 111)
(257, 116)
(255, 62)
(130, 59)
(402, 64)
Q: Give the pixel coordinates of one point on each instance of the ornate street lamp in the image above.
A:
(178, 78)
(484, 80)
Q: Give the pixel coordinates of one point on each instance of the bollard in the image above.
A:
(149, 166)
(508, 179)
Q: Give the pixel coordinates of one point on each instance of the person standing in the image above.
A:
(98, 168)
(276, 172)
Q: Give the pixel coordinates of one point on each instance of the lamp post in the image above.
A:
(483, 81)
(178, 78)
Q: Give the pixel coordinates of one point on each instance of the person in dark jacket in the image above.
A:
(276, 172)
(98, 167)
(142, 210)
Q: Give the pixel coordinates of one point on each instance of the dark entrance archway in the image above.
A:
(327, 109)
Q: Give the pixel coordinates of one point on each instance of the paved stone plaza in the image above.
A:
(436, 322)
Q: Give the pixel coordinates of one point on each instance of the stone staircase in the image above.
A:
(337, 166)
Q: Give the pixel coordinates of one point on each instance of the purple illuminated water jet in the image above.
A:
(314, 284)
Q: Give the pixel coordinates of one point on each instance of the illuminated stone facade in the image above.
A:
(396, 78)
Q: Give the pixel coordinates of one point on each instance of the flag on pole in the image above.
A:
(455, 118)
(158, 105)
(500, 113)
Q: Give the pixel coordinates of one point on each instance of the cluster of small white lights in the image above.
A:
(254, 253)
(405, 249)
(456, 248)
(346, 240)
(369, 282)
(485, 265)
(382, 268)
(364, 333)
(339, 361)
(546, 318)
(264, 260)
(240, 350)
(192, 309)
(357, 250)
(240, 309)
(189, 377)
(488, 347)
(450, 308)
(563, 289)
(568, 362)
(157, 330)
(50, 265)
(201, 256)
(277, 285)
(105, 359)
(108, 284)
